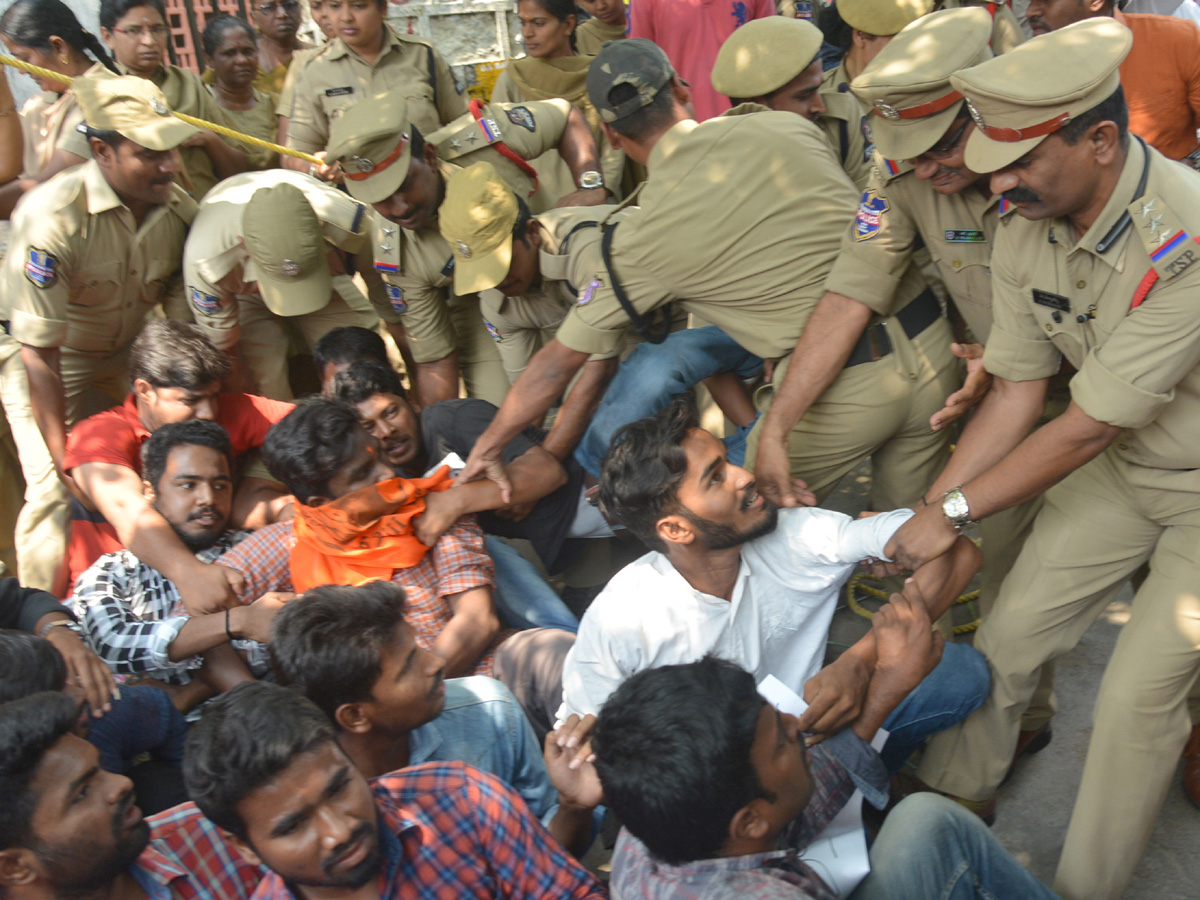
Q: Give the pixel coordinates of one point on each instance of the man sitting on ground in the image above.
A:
(263, 764)
(353, 525)
(717, 790)
(129, 609)
(732, 574)
(69, 828)
(351, 653)
(176, 374)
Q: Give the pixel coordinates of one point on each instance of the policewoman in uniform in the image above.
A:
(770, 230)
(94, 251)
(374, 145)
(1098, 268)
(868, 25)
(267, 249)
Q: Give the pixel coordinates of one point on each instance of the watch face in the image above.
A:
(590, 180)
(955, 505)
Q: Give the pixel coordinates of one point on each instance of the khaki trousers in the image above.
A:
(1095, 529)
(879, 411)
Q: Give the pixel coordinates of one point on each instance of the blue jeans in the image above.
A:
(930, 848)
(144, 720)
(955, 688)
(654, 375)
(523, 598)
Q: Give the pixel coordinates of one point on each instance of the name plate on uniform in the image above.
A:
(1054, 301)
(338, 91)
(965, 236)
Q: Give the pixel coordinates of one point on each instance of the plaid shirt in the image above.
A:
(131, 614)
(839, 765)
(457, 563)
(451, 832)
(187, 859)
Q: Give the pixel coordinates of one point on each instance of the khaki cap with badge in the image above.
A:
(477, 219)
(882, 17)
(1019, 99)
(371, 141)
(763, 55)
(907, 86)
(633, 61)
(133, 107)
(285, 240)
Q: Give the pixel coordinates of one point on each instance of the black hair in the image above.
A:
(364, 379)
(169, 353)
(520, 229)
(837, 30)
(1111, 109)
(31, 23)
(641, 472)
(29, 727)
(214, 32)
(114, 139)
(416, 143)
(30, 664)
(112, 11)
(329, 643)
(672, 749)
(246, 737)
(348, 344)
(196, 432)
(648, 120)
(306, 449)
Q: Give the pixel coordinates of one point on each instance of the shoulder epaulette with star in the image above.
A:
(890, 169)
(1168, 244)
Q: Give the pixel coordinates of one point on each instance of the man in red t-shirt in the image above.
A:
(176, 375)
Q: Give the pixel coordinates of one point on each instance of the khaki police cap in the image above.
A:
(133, 107)
(287, 245)
(764, 55)
(633, 61)
(907, 86)
(477, 219)
(371, 141)
(882, 17)
(1021, 97)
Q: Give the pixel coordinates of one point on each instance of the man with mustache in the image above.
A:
(264, 766)
(1097, 270)
(1160, 76)
(94, 251)
(70, 829)
(921, 193)
(128, 609)
(732, 574)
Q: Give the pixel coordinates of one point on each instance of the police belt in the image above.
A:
(875, 344)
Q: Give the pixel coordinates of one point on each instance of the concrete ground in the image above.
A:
(1035, 805)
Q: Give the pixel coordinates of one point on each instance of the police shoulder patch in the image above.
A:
(39, 268)
(492, 330)
(586, 295)
(523, 116)
(396, 298)
(869, 218)
(204, 303)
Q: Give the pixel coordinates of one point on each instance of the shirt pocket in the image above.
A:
(419, 98)
(158, 277)
(336, 100)
(99, 285)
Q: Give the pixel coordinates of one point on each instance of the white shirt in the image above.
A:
(776, 623)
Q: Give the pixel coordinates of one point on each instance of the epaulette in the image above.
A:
(387, 243)
(1006, 206)
(184, 205)
(890, 169)
(842, 106)
(464, 135)
(1170, 248)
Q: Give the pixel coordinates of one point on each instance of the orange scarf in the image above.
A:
(364, 536)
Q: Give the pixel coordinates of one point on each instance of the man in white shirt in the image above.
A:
(733, 575)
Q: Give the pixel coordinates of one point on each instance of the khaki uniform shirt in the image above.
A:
(731, 227)
(848, 131)
(336, 77)
(260, 122)
(80, 274)
(418, 266)
(48, 123)
(895, 211)
(300, 59)
(1006, 27)
(1138, 369)
(214, 244)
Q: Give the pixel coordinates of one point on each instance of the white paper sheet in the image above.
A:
(839, 853)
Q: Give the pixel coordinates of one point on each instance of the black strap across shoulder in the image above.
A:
(651, 331)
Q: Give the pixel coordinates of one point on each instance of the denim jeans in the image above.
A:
(948, 694)
(144, 720)
(523, 598)
(654, 375)
(930, 848)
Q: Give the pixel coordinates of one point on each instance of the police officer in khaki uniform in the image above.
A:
(374, 144)
(1098, 268)
(1006, 27)
(871, 24)
(776, 62)
(921, 194)
(95, 249)
(263, 252)
(737, 233)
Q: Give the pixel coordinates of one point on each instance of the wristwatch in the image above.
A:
(590, 180)
(956, 509)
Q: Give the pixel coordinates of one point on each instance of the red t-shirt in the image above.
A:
(116, 436)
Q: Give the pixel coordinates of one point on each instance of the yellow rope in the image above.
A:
(191, 120)
(858, 584)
